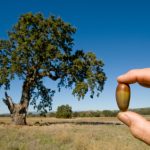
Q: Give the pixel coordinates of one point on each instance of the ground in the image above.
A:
(103, 133)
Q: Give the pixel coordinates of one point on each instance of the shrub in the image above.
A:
(64, 111)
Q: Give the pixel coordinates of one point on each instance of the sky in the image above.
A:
(118, 32)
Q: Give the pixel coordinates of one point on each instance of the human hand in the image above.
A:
(138, 125)
(141, 76)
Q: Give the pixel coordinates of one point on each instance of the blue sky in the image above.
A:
(118, 32)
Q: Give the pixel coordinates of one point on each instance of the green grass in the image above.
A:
(68, 136)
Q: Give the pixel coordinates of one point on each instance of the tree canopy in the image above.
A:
(39, 47)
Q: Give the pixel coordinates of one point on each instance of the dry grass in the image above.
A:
(60, 135)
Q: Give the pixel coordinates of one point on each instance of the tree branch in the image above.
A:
(25, 98)
(48, 74)
(8, 101)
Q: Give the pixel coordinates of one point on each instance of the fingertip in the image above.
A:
(138, 125)
(119, 78)
(123, 117)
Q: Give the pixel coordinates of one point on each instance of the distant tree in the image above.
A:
(64, 111)
(39, 48)
(75, 114)
(107, 113)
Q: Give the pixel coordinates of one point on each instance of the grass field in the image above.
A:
(68, 134)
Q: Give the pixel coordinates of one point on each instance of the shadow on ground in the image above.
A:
(76, 123)
(41, 123)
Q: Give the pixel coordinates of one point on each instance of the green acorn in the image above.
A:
(123, 96)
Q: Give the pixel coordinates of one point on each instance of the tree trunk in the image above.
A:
(19, 115)
(18, 111)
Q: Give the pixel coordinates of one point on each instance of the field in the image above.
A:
(104, 133)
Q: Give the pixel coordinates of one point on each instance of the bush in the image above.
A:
(64, 111)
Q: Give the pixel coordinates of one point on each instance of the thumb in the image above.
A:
(139, 126)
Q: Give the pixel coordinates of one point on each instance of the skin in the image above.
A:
(139, 126)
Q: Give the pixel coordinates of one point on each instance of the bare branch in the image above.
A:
(8, 101)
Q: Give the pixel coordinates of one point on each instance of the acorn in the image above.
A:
(123, 96)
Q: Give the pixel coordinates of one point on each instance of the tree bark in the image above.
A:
(19, 115)
(18, 111)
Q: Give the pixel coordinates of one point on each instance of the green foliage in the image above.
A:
(45, 95)
(64, 111)
(40, 47)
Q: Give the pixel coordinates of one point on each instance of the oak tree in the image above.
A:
(38, 48)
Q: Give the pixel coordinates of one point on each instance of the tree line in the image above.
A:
(97, 113)
(68, 113)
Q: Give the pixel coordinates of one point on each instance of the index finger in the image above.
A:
(142, 76)
(129, 77)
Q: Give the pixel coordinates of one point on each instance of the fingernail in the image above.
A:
(119, 77)
(124, 118)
